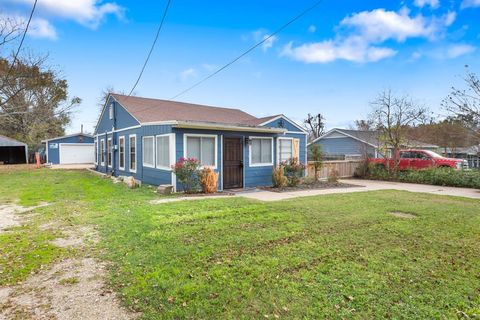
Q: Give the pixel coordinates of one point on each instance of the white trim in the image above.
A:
(120, 138)
(110, 111)
(154, 150)
(171, 155)
(265, 164)
(130, 154)
(341, 132)
(103, 110)
(74, 144)
(200, 135)
(278, 147)
(158, 123)
(110, 152)
(95, 146)
(68, 136)
(225, 127)
(116, 131)
(102, 154)
(286, 118)
(221, 162)
(297, 132)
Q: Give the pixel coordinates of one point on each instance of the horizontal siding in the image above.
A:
(286, 124)
(122, 119)
(345, 146)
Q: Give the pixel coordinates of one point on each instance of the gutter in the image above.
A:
(225, 127)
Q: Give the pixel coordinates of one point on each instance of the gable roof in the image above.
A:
(372, 138)
(69, 135)
(9, 142)
(147, 110)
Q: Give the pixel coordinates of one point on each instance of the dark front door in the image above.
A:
(232, 163)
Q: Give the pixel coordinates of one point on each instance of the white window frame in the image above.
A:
(199, 135)
(278, 147)
(265, 164)
(102, 152)
(110, 152)
(171, 150)
(130, 154)
(110, 111)
(120, 139)
(154, 150)
(95, 143)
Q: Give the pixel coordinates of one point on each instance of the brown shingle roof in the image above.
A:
(152, 110)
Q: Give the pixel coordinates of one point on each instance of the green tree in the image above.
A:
(316, 156)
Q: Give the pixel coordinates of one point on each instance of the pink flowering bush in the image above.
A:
(187, 171)
(293, 170)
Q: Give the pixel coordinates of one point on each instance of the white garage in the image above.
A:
(76, 153)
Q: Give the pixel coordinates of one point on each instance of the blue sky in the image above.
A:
(334, 60)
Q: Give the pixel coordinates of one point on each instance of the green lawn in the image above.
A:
(337, 256)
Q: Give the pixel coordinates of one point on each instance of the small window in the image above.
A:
(95, 145)
(121, 153)
(148, 148)
(102, 152)
(285, 149)
(203, 149)
(133, 153)
(110, 111)
(163, 152)
(109, 152)
(261, 151)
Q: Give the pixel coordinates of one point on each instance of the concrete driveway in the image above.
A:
(365, 185)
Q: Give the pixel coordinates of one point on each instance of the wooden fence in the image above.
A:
(345, 168)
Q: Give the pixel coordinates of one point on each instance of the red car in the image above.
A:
(421, 159)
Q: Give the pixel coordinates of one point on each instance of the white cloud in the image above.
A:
(458, 50)
(262, 34)
(188, 74)
(432, 3)
(86, 12)
(312, 28)
(470, 4)
(360, 35)
(329, 51)
(41, 28)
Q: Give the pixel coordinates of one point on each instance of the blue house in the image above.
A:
(344, 144)
(75, 148)
(144, 137)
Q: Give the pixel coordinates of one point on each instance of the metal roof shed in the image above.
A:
(13, 151)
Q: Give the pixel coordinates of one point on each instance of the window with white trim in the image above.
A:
(285, 150)
(102, 152)
(202, 148)
(110, 111)
(95, 145)
(121, 153)
(148, 151)
(261, 151)
(109, 152)
(132, 153)
(163, 151)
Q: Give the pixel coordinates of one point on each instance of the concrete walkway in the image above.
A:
(71, 166)
(365, 185)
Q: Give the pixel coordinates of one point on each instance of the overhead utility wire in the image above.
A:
(249, 50)
(151, 49)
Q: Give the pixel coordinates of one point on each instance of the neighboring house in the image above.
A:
(75, 148)
(13, 151)
(341, 144)
(143, 138)
(471, 154)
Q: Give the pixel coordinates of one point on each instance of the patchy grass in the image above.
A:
(68, 281)
(336, 256)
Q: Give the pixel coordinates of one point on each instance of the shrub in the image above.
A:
(316, 156)
(208, 180)
(434, 176)
(333, 175)
(293, 170)
(278, 177)
(187, 171)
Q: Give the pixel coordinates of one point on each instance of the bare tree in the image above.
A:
(315, 125)
(465, 103)
(393, 116)
(10, 29)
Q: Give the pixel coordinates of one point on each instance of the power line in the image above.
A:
(21, 41)
(249, 50)
(151, 49)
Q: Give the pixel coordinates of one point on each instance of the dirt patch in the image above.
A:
(9, 214)
(71, 289)
(403, 215)
(313, 186)
(17, 167)
(76, 237)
